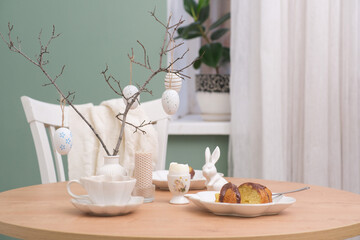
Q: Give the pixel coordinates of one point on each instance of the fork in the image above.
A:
(292, 191)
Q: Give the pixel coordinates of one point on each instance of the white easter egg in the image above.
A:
(63, 140)
(173, 81)
(170, 101)
(128, 93)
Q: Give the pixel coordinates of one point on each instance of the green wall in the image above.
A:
(191, 149)
(93, 33)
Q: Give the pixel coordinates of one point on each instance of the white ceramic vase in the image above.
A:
(112, 167)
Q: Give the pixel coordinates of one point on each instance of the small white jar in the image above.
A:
(112, 167)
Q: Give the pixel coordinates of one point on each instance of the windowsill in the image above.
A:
(194, 125)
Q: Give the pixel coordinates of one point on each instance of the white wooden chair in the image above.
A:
(44, 118)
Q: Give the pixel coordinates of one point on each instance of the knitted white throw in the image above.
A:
(86, 155)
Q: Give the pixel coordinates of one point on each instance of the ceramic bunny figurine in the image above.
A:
(214, 181)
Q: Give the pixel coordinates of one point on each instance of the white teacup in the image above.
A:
(103, 190)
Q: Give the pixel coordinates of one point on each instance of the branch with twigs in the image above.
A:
(170, 31)
(112, 82)
(40, 62)
(137, 128)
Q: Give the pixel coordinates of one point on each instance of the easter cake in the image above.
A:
(192, 172)
(229, 193)
(254, 193)
(246, 193)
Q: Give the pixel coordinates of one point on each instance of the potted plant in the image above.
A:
(212, 89)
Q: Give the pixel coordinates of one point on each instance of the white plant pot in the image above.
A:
(212, 92)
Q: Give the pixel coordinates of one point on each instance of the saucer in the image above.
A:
(160, 180)
(86, 206)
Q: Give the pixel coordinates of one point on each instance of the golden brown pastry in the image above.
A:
(246, 193)
(192, 172)
(229, 193)
(254, 193)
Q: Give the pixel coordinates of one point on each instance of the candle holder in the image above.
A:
(143, 176)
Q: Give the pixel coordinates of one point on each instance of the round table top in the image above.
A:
(45, 212)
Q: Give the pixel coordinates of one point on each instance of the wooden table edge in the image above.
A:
(23, 232)
(40, 234)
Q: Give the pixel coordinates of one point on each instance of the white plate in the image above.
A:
(206, 200)
(107, 210)
(160, 180)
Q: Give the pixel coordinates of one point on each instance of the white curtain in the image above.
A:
(295, 91)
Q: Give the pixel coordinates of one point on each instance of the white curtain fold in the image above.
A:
(295, 91)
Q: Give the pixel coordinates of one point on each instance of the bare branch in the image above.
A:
(12, 47)
(137, 128)
(53, 36)
(39, 38)
(145, 89)
(153, 14)
(107, 79)
(144, 52)
(72, 95)
(177, 59)
(182, 75)
(146, 64)
(40, 63)
(173, 48)
(62, 70)
(66, 99)
(176, 25)
(18, 42)
(188, 65)
(113, 83)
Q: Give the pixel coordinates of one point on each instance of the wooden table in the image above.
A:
(45, 212)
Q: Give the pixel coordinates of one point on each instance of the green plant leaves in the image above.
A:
(197, 64)
(204, 14)
(200, 11)
(211, 54)
(218, 33)
(190, 7)
(220, 21)
(190, 31)
(202, 4)
(225, 58)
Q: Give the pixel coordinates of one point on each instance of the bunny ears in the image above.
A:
(214, 157)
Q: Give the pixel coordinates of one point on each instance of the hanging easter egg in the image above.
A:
(128, 93)
(170, 101)
(63, 140)
(173, 81)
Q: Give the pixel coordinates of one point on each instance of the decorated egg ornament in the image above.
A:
(170, 101)
(63, 140)
(128, 93)
(173, 81)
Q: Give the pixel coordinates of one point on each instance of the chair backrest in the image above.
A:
(44, 118)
